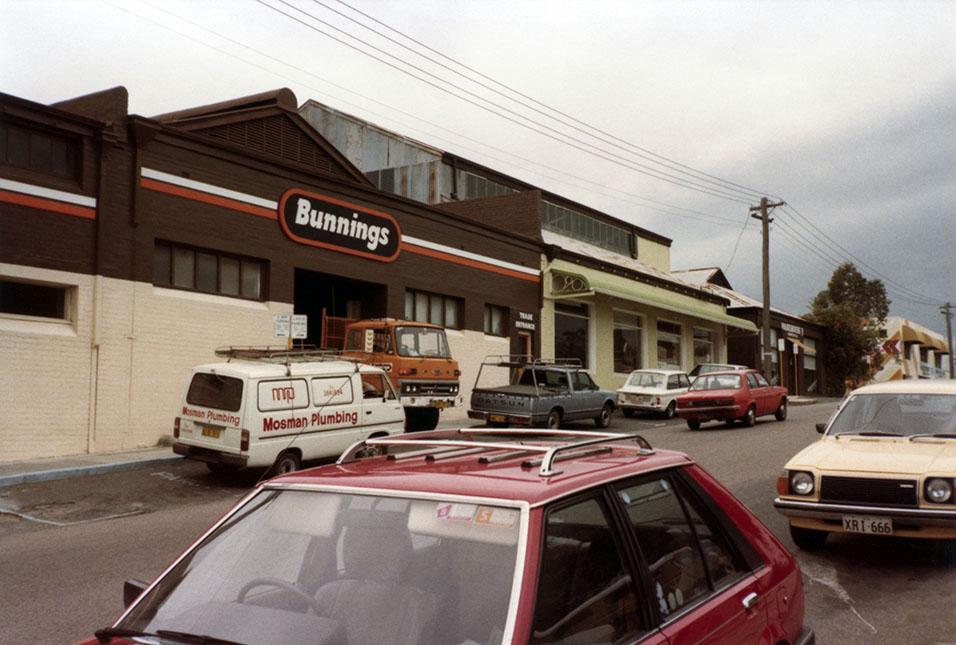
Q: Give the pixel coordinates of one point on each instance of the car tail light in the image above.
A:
(244, 442)
(176, 428)
(658, 400)
(407, 371)
(783, 485)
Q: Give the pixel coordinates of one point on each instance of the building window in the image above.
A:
(774, 377)
(585, 228)
(38, 150)
(810, 383)
(184, 267)
(478, 186)
(627, 343)
(703, 346)
(668, 345)
(27, 299)
(496, 320)
(433, 308)
(571, 331)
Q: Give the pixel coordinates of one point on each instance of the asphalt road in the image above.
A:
(64, 558)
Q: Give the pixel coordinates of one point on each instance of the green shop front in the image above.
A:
(615, 320)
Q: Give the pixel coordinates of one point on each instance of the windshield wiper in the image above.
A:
(106, 635)
(941, 435)
(869, 433)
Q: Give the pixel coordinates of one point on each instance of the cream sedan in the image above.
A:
(652, 391)
(886, 465)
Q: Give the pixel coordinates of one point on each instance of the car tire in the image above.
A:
(287, 462)
(603, 420)
(808, 539)
(417, 419)
(670, 410)
(553, 422)
(628, 412)
(781, 413)
(749, 419)
(693, 425)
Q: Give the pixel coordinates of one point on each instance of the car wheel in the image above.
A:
(603, 420)
(808, 539)
(628, 412)
(781, 413)
(670, 409)
(287, 462)
(750, 419)
(693, 425)
(421, 419)
(553, 422)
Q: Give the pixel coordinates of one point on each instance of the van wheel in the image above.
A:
(421, 419)
(603, 420)
(781, 413)
(553, 422)
(287, 462)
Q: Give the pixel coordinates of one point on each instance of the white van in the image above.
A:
(267, 408)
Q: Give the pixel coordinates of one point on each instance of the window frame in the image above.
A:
(69, 293)
(488, 322)
(73, 141)
(680, 342)
(243, 261)
(429, 295)
(641, 330)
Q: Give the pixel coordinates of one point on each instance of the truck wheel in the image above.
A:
(808, 539)
(603, 420)
(693, 425)
(553, 422)
(420, 419)
(287, 462)
(781, 413)
(750, 419)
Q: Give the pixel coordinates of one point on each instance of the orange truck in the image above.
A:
(418, 361)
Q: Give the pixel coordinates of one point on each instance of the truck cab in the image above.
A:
(418, 361)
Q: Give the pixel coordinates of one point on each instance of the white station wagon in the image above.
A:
(278, 408)
(652, 391)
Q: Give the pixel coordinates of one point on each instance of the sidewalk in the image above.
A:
(20, 472)
(808, 400)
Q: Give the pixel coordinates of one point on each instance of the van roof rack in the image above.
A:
(447, 444)
(521, 360)
(281, 354)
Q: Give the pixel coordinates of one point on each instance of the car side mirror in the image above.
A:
(132, 589)
(821, 428)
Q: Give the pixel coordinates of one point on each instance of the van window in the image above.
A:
(332, 390)
(215, 391)
(283, 395)
(374, 386)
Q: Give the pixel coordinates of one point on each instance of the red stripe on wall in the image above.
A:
(47, 204)
(200, 196)
(474, 264)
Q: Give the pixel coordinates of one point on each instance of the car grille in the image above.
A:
(869, 491)
(430, 389)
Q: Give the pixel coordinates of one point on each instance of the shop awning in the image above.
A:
(594, 283)
(913, 335)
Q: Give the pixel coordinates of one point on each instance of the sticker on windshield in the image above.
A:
(500, 517)
(456, 512)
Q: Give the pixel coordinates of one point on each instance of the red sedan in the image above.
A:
(731, 396)
(480, 536)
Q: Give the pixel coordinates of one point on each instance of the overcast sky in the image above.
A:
(847, 110)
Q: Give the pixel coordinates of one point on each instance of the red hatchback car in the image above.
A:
(740, 395)
(480, 536)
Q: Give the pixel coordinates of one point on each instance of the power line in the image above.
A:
(733, 253)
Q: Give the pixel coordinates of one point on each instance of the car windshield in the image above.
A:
(897, 414)
(716, 382)
(322, 568)
(422, 341)
(646, 379)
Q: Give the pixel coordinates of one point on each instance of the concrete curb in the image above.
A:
(80, 471)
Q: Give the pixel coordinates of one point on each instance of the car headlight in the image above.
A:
(801, 483)
(939, 491)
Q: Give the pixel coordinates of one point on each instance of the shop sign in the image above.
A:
(525, 320)
(794, 330)
(329, 223)
(563, 284)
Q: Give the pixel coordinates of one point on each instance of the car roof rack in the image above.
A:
(521, 360)
(447, 444)
(281, 354)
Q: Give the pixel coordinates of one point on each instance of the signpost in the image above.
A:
(290, 327)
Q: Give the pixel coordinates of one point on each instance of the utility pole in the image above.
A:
(947, 310)
(765, 220)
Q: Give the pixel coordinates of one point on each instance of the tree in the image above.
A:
(852, 311)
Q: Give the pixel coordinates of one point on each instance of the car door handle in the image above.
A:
(368, 412)
(750, 600)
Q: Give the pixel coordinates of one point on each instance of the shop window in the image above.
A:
(571, 331)
(421, 306)
(627, 342)
(703, 346)
(184, 267)
(810, 366)
(669, 345)
(27, 299)
(38, 150)
(496, 320)
(774, 358)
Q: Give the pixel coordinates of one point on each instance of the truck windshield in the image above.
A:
(322, 568)
(214, 391)
(422, 341)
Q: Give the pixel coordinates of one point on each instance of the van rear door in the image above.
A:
(211, 415)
